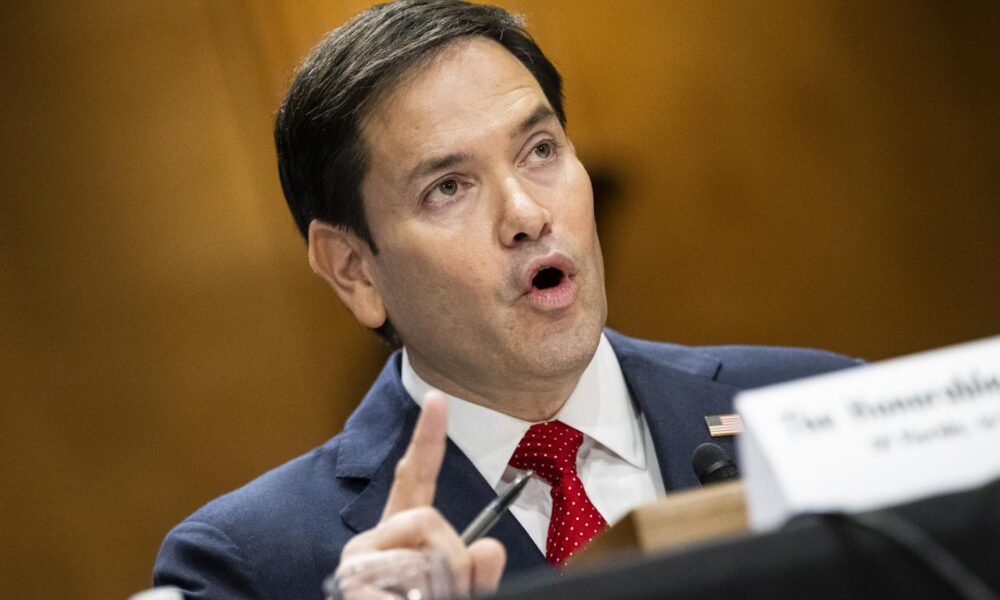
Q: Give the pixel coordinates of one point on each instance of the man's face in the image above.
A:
(489, 266)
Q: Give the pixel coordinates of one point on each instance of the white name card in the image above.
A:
(872, 436)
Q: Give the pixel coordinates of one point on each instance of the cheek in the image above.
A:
(465, 282)
(417, 283)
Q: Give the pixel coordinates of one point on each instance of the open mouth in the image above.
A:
(547, 278)
(549, 285)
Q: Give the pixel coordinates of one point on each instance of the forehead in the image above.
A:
(471, 90)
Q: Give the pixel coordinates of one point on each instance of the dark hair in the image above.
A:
(321, 158)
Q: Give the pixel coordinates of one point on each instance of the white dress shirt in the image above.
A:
(616, 462)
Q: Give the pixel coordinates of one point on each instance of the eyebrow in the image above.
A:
(439, 163)
(434, 164)
(541, 113)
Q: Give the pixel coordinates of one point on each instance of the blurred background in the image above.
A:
(775, 172)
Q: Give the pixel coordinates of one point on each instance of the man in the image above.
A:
(423, 154)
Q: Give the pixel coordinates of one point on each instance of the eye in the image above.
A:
(541, 154)
(543, 150)
(446, 192)
(448, 187)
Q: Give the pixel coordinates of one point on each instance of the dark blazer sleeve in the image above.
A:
(201, 560)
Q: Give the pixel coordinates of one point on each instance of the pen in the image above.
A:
(485, 520)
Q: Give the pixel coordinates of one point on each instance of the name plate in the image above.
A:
(872, 436)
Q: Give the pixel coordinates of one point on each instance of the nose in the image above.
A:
(524, 219)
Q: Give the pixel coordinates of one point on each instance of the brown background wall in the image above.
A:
(803, 173)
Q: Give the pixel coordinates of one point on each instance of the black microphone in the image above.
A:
(712, 465)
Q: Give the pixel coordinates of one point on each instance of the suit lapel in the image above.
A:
(675, 389)
(462, 492)
(373, 441)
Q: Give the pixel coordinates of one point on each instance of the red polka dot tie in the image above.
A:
(549, 449)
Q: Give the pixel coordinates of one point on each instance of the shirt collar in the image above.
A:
(603, 410)
(600, 407)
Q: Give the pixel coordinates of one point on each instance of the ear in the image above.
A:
(345, 261)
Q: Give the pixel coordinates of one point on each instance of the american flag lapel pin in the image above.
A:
(723, 425)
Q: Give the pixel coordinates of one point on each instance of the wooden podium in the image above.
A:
(675, 520)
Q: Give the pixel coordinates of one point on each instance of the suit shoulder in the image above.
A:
(283, 497)
(741, 366)
(276, 494)
(755, 366)
(234, 542)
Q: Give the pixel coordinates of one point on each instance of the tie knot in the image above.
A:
(548, 449)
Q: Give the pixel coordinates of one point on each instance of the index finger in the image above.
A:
(417, 471)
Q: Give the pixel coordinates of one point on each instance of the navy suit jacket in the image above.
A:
(280, 535)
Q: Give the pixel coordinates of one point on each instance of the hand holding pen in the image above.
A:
(414, 552)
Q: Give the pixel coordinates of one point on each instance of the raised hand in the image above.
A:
(412, 532)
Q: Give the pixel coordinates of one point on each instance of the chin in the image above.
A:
(563, 352)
